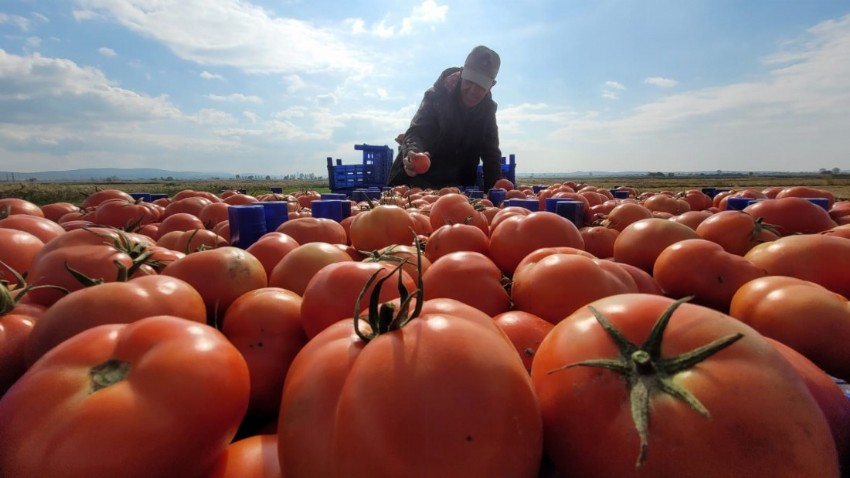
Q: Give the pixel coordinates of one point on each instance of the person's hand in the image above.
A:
(416, 163)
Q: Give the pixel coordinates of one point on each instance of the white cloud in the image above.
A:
(211, 76)
(253, 39)
(108, 52)
(236, 98)
(611, 90)
(22, 23)
(293, 83)
(427, 14)
(660, 82)
(210, 116)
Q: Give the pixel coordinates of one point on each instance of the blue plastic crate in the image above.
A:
(508, 170)
(372, 172)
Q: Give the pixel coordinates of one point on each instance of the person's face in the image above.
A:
(472, 93)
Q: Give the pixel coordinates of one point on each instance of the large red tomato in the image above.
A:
(820, 258)
(38, 226)
(18, 254)
(159, 397)
(265, 326)
(454, 238)
(441, 394)
(525, 330)
(640, 243)
(792, 215)
(381, 226)
(113, 303)
(736, 231)
(704, 270)
(14, 330)
(298, 266)
(801, 314)
(519, 235)
(638, 385)
(251, 457)
(469, 277)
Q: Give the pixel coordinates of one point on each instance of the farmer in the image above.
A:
(455, 127)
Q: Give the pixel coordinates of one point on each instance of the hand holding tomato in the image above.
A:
(417, 163)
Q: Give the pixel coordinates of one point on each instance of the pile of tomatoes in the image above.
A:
(428, 334)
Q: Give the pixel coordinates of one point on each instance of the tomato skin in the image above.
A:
(454, 238)
(298, 266)
(517, 236)
(437, 407)
(819, 258)
(265, 326)
(18, 253)
(113, 303)
(14, 330)
(555, 285)
(703, 269)
(40, 227)
(53, 423)
(830, 397)
(586, 411)
(251, 457)
(14, 206)
(736, 231)
(525, 330)
(314, 229)
(470, 277)
(381, 226)
(271, 247)
(220, 276)
(792, 215)
(599, 240)
(640, 243)
(801, 314)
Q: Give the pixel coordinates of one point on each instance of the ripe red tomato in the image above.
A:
(18, 254)
(14, 206)
(806, 192)
(801, 314)
(819, 258)
(519, 235)
(96, 198)
(265, 326)
(14, 330)
(454, 238)
(381, 226)
(220, 275)
(168, 394)
(314, 229)
(640, 243)
(599, 240)
(614, 376)
(625, 214)
(525, 330)
(113, 303)
(251, 457)
(40, 227)
(736, 231)
(126, 215)
(421, 163)
(555, 285)
(333, 292)
(469, 277)
(792, 215)
(704, 270)
(296, 268)
(464, 404)
(271, 247)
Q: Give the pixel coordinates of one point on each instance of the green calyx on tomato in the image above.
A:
(647, 373)
(108, 373)
(9, 296)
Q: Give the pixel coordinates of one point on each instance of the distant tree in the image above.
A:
(836, 171)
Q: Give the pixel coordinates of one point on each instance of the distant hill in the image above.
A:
(113, 174)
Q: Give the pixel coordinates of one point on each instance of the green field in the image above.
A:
(74, 192)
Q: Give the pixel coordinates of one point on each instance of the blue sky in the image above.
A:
(275, 87)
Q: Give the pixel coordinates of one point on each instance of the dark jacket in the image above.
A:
(456, 136)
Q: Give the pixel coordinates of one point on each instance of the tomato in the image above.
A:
(14, 330)
(819, 258)
(251, 457)
(696, 199)
(101, 195)
(456, 208)
(646, 284)
(454, 238)
(420, 162)
(839, 231)
(447, 396)
(625, 214)
(127, 215)
(413, 262)
(14, 206)
(55, 210)
(692, 219)
(191, 241)
(704, 270)
(506, 212)
(180, 221)
(214, 213)
(638, 385)
(801, 314)
(314, 229)
(40, 227)
(792, 215)
(525, 330)
(271, 247)
(806, 192)
(736, 231)
(220, 275)
(296, 268)
(265, 326)
(517, 236)
(640, 243)
(113, 303)
(161, 397)
(334, 292)
(556, 284)
(18, 254)
(469, 277)
(192, 205)
(381, 226)
(599, 240)
(668, 203)
(830, 397)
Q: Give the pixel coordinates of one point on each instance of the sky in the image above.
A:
(274, 87)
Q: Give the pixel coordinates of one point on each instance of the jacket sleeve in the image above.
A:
(423, 127)
(491, 154)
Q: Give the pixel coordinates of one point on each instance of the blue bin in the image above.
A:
(276, 212)
(247, 224)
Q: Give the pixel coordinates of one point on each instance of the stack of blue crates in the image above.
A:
(508, 170)
(373, 172)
